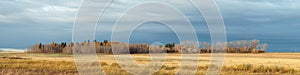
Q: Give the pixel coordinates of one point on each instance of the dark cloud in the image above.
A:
(25, 22)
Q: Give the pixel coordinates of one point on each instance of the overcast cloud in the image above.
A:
(27, 22)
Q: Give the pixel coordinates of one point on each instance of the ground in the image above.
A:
(12, 63)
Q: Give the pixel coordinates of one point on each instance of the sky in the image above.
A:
(27, 22)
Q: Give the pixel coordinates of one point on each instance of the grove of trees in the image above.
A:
(240, 46)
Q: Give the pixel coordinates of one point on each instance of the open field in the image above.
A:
(235, 63)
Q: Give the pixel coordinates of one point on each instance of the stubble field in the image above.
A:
(12, 63)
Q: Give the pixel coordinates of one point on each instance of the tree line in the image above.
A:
(240, 46)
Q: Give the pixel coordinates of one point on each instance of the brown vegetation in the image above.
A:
(235, 64)
(46, 67)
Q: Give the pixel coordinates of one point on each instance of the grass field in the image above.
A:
(235, 63)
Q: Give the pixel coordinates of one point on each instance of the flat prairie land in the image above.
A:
(16, 63)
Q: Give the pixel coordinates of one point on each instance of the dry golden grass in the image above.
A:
(235, 63)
